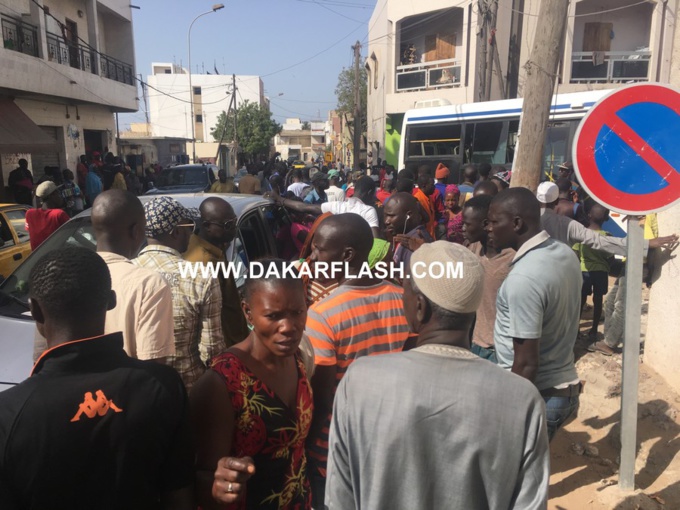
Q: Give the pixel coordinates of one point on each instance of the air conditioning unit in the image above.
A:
(431, 103)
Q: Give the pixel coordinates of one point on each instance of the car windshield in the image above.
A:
(183, 176)
(77, 232)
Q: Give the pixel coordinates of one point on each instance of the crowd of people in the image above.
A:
(157, 389)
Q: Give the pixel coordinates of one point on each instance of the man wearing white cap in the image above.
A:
(197, 301)
(570, 232)
(406, 428)
(42, 221)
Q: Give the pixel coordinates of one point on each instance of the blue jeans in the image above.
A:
(484, 353)
(559, 410)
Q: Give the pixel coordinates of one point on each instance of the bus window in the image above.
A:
(557, 147)
(489, 144)
(513, 129)
(440, 140)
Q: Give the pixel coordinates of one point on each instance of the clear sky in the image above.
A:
(257, 37)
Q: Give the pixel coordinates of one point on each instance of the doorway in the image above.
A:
(94, 141)
(71, 36)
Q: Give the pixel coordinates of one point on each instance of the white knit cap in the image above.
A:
(547, 192)
(460, 294)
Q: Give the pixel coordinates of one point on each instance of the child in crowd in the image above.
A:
(594, 265)
(71, 193)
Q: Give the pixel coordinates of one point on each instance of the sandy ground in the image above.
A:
(585, 454)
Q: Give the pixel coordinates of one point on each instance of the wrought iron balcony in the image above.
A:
(17, 35)
(85, 58)
(610, 66)
(428, 75)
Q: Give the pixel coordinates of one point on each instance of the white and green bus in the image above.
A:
(488, 132)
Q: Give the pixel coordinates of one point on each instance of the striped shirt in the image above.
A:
(349, 323)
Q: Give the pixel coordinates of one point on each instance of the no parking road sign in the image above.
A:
(627, 149)
(627, 157)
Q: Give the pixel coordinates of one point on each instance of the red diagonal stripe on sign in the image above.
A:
(665, 170)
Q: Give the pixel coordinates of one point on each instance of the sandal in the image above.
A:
(602, 348)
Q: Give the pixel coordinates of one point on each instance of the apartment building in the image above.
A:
(67, 68)
(304, 141)
(170, 100)
(430, 53)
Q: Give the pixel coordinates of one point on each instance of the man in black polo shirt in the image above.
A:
(91, 428)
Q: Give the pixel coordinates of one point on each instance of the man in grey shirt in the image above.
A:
(570, 231)
(407, 428)
(538, 305)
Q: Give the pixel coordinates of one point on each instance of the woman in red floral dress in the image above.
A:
(253, 410)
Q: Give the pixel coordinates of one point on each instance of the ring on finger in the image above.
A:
(230, 488)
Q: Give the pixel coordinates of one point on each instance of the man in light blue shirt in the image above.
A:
(318, 194)
(538, 305)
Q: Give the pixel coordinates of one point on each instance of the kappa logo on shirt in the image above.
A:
(91, 407)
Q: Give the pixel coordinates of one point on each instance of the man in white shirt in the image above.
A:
(360, 203)
(334, 192)
(297, 186)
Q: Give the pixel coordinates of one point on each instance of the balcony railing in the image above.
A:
(85, 58)
(615, 67)
(428, 75)
(116, 70)
(77, 56)
(19, 36)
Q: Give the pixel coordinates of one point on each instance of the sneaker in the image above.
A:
(602, 348)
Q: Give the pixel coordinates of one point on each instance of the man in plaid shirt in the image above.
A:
(197, 301)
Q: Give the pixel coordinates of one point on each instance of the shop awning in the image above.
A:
(19, 134)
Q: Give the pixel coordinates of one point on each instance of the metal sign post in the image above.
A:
(631, 356)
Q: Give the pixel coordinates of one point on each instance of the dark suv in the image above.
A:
(184, 179)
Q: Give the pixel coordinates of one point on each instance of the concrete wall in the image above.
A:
(631, 26)
(663, 325)
(96, 118)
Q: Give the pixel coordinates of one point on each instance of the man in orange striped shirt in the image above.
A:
(362, 317)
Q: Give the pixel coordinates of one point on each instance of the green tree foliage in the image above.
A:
(255, 129)
(344, 92)
(306, 126)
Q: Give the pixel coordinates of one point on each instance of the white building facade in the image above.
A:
(421, 52)
(170, 100)
(67, 68)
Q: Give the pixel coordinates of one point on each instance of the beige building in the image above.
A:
(663, 322)
(306, 144)
(428, 52)
(67, 68)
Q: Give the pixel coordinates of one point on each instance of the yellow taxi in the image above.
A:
(14, 239)
(298, 165)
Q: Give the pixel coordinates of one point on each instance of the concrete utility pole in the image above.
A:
(490, 23)
(482, 64)
(357, 106)
(541, 69)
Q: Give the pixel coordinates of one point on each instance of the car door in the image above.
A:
(15, 245)
(255, 240)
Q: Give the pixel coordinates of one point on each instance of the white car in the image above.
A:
(258, 223)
